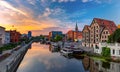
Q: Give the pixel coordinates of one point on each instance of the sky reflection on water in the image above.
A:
(40, 58)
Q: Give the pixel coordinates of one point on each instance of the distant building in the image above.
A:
(53, 34)
(7, 37)
(74, 35)
(29, 34)
(14, 36)
(2, 36)
(119, 26)
(97, 32)
(46, 37)
(24, 36)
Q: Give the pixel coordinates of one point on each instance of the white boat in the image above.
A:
(66, 51)
(78, 51)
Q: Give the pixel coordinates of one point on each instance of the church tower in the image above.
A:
(76, 27)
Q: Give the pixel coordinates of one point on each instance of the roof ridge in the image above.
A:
(104, 19)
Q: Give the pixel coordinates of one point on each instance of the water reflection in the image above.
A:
(43, 58)
(52, 49)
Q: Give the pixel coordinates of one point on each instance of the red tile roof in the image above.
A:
(110, 25)
(86, 26)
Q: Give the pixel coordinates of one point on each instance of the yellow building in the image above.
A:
(119, 26)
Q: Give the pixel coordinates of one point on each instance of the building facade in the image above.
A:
(14, 36)
(7, 37)
(29, 34)
(86, 36)
(53, 34)
(74, 35)
(119, 26)
(99, 31)
(2, 36)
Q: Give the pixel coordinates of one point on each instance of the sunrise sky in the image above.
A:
(42, 16)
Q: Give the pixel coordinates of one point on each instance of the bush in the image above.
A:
(106, 52)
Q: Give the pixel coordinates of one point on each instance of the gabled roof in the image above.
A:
(110, 25)
(86, 27)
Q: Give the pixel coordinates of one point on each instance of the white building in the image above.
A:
(2, 35)
(7, 37)
(114, 48)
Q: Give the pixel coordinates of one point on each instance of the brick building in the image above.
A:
(14, 36)
(86, 36)
(97, 32)
(74, 35)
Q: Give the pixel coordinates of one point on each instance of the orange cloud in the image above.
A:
(23, 19)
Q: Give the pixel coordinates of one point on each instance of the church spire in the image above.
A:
(76, 28)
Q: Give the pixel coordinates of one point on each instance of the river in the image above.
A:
(41, 58)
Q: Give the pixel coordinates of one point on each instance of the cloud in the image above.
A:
(63, 1)
(97, 1)
(47, 30)
(7, 5)
(85, 1)
(47, 12)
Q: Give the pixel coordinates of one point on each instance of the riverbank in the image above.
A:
(11, 62)
(102, 58)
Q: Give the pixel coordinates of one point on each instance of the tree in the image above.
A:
(58, 38)
(106, 52)
(42, 37)
(115, 37)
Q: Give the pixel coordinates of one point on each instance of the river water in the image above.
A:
(42, 58)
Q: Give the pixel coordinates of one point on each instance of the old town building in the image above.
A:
(7, 37)
(14, 36)
(86, 36)
(2, 35)
(98, 31)
(74, 35)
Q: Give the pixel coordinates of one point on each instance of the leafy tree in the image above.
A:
(42, 37)
(58, 38)
(106, 52)
(115, 37)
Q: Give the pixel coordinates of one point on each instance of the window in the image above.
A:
(105, 36)
(119, 52)
(97, 35)
(103, 32)
(106, 32)
(113, 51)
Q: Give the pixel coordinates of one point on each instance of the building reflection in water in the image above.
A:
(30, 46)
(99, 66)
(91, 65)
(52, 49)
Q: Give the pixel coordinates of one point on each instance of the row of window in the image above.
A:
(105, 32)
(114, 52)
(104, 36)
